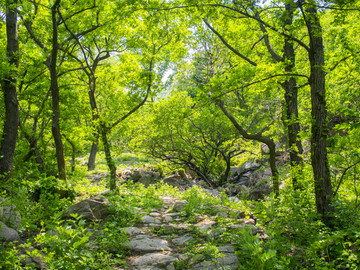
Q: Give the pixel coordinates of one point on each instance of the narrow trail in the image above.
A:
(160, 240)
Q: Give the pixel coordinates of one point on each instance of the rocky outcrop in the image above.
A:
(252, 180)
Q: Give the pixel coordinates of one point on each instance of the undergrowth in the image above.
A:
(297, 239)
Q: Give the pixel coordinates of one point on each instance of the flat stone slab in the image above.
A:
(150, 220)
(205, 224)
(180, 241)
(155, 214)
(153, 259)
(227, 249)
(149, 245)
(134, 231)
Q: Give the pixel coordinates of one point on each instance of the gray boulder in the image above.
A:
(145, 177)
(7, 234)
(90, 209)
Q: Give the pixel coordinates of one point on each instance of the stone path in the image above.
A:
(160, 240)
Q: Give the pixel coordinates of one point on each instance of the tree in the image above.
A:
(52, 62)
(183, 132)
(8, 85)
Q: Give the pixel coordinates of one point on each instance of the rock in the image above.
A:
(92, 208)
(168, 200)
(222, 211)
(229, 261)
(213, 192)
(205, 225)
(154, 261)
(227, 249)
(150, 220)
(133, 231)
(167, 219)
(9, 214)
(145, 177)
(34, 258)
(7, 234)
(179, 206)
(149, 245)
(180, 241)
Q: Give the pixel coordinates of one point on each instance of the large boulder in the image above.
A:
(90, 209)
(145, 177)
(7, 234)
(9, 214)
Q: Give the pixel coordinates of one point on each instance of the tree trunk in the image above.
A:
(291, 103)
(54, 87)
(93, 152)
(103, 130)
(109, 160)
(10, 129)
(73, 154)
(319, 159)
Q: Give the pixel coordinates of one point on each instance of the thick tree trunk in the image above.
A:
(55, 128)
(10, 129)
(319, 159)
(291, 103)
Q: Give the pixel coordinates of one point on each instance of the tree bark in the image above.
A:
(93, 152)
(10, 129)
(73, 154)
(54, 87)
(291, 102)
(109, 160)
(319, 159)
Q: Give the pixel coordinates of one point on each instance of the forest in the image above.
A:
(225, 128)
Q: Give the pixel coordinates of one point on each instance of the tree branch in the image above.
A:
(228, 45)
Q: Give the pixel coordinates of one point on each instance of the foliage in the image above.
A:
(181, 132)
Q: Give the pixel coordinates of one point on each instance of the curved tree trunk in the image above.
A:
(257, 137)
(10, 129)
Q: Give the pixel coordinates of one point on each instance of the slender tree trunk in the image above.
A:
(109, 160)
(95, 118)
(103, 132)
(10, 129)
(55, 95)
(319, 159)
(73, 154)
(93, 152)
(291, 103)
(227, 171)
